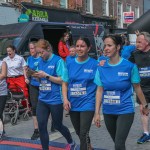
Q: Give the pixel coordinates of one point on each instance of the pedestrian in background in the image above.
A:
(79, 91)
(63, 46)
(32, 63)
(141, 57)
(72, 55)
(51, 69)
(3, 94)
(127, 49)
(115, 81)
(16, 70)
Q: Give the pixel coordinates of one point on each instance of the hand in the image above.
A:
(145, 111)
(137, 32)
(102, 62)
(27, 80)
(40, 74)
(97, 120)
(67, 105)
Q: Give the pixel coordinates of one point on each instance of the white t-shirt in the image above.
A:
(15, 65)
(3, 84)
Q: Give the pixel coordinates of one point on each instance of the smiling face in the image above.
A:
(10, 52)
(82, 49)
(110, 48)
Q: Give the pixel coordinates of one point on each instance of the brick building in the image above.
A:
(107, 12)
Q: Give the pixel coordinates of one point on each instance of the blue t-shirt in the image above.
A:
(127, 50)
(117, 85)
(81, 86)
(102, 58)
(50, 92)
(32, 63)
(70, 58)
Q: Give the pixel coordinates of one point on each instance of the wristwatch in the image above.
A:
(47, 77)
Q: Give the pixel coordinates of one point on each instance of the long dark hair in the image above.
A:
(85, 39)
(117, 40)
(12, 47)
(62, 38)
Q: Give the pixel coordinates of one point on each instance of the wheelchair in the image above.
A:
(16, 105)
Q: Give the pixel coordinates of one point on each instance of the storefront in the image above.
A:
(47, 14)
(50, 14)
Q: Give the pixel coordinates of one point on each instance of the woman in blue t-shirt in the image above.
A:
(115, 81)
(79, 91)
(50, 71)
(32, 63)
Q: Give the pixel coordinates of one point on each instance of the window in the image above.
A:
(2, 1)
(136, 13)
(105, 7)
(89, 6)
(64, 3)
(128, 7)
(119, 15)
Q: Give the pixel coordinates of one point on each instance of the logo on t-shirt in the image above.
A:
(88, 70)
(125, 74)
(51, 67)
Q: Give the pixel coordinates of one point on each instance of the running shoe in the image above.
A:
(144, 138)
(35, 135)
(73, 146)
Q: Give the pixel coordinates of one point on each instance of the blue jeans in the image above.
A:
(43, 111)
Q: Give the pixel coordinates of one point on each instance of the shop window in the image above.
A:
(105, 7)
(136, 12)
(89, 6)
(119, 15)
(64, 3)
(2, 1)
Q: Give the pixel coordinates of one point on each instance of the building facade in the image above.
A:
(110, 13)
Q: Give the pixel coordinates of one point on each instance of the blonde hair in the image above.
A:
(44, 44)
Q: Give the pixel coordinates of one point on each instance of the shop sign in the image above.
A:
(23, 18)
(128, 17)
(37, 15)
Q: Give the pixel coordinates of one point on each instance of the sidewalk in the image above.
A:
(99, 136)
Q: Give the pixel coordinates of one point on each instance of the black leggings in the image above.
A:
(34, 93)
(118, 127)
(82, 123)
(2, 105)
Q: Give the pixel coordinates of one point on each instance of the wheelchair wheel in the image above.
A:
(25, 116)
(13, 121)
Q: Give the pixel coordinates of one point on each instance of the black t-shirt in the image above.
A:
(142, 60)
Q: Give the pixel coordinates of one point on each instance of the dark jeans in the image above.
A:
(118, 127)
(43, 111)
(2, 105)
(82, 123)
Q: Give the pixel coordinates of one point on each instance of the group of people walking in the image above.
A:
(81, 85)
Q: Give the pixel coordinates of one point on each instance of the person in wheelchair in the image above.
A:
(16, 74)
(3, 94)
